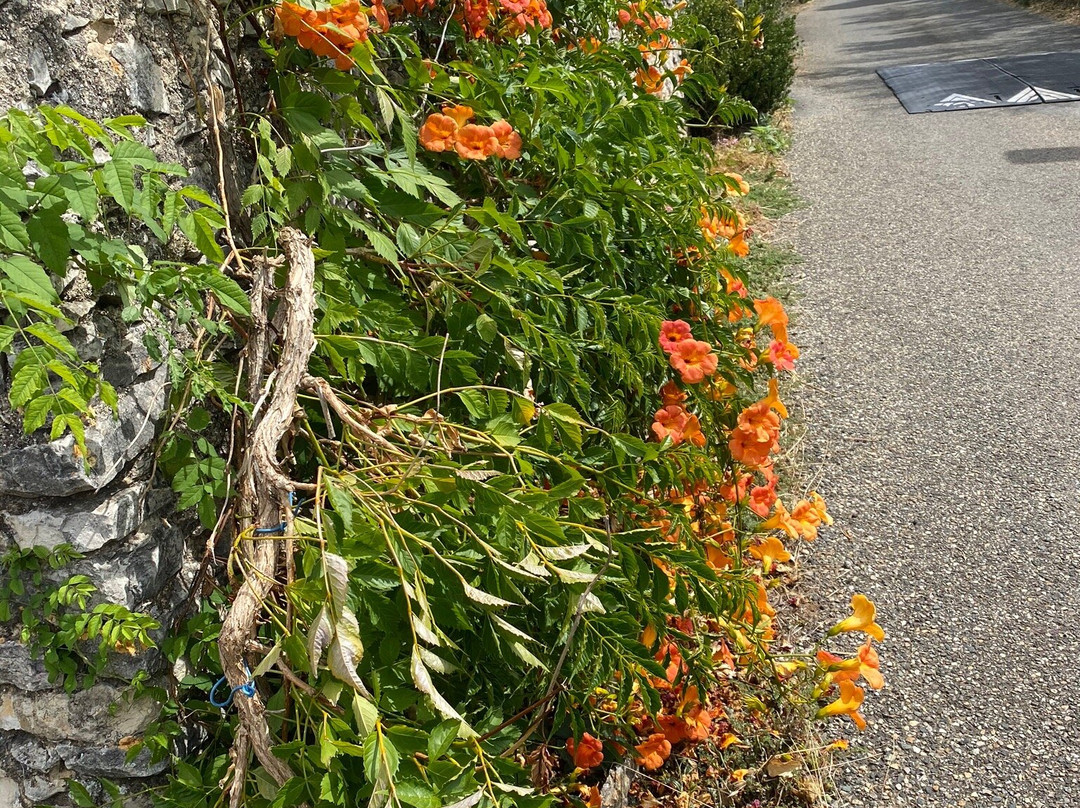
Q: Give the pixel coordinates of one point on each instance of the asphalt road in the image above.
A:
(940, 327)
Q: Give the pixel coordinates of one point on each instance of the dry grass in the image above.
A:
(759, 155)
(1064, 10)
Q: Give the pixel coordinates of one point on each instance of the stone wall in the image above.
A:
(103, 57)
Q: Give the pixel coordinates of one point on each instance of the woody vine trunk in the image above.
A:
(264, 486)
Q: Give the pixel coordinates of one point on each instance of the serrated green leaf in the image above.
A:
(49, 235)
(108, 395)
(228, 293)
(381, 761)
(416, 794)
(48, 334)
(441, 737)
(37, 413)
(81, 797)
(252, 195)
(28, 278)
(365, 713)
(27, 383)
(486, 328)
(475, 402)
(201, 226)
(386, 106)
(119, 179)
(13, 235)
(64, 422)
(197, 194)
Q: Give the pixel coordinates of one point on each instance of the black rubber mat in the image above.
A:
(1053, 76)
(979, 83)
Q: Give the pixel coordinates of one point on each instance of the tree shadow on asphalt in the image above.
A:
(898, 32)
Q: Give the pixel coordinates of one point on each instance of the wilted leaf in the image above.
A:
(436, 662)
(510, 628)
(477, 475)
(422, 679)
(346, 652)
(564, 552)
(337, 578)
(319, 636)
(780, 765)
(467, 802)
(423, 632)
(479, 596)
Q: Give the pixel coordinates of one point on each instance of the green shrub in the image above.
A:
(751, 55)
(486, 562)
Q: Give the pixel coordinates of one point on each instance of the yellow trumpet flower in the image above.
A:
(862, 619)
(770, 551)
(850, 700)
(773, 399)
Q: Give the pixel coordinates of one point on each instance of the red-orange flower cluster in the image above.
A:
(770, 312)
(651, 79)
(803, 520)
(762, 499)
(653, 751)
(731, 227)
(864, 665)
(634, 15)
(673, 421)
(672, 332)
(755, 436)
(526, 14)
(332, 32)
(471, 141)
(520, 15)
(783, 354)
(586, 753)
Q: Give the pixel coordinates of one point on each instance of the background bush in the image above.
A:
(754, 62)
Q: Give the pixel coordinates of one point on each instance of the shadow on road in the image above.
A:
(881, 33)
(1064, 154)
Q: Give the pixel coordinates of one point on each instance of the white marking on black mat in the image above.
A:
(962, 101)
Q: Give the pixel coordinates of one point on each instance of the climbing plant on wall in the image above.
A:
(498, 417)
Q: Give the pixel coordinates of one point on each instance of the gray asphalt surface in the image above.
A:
(940, 328)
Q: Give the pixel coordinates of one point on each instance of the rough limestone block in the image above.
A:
(9, 792)
(86, 523)
(52, 469)
(19, 669)
(108, 761)
(146, 87)
(38, 789)
(99, 716)
(134, 571)
(88, 761)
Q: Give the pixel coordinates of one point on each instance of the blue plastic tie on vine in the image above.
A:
(247, 688)
(280, 528)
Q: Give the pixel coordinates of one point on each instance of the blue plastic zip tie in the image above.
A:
(247, 688)
(280, 528)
